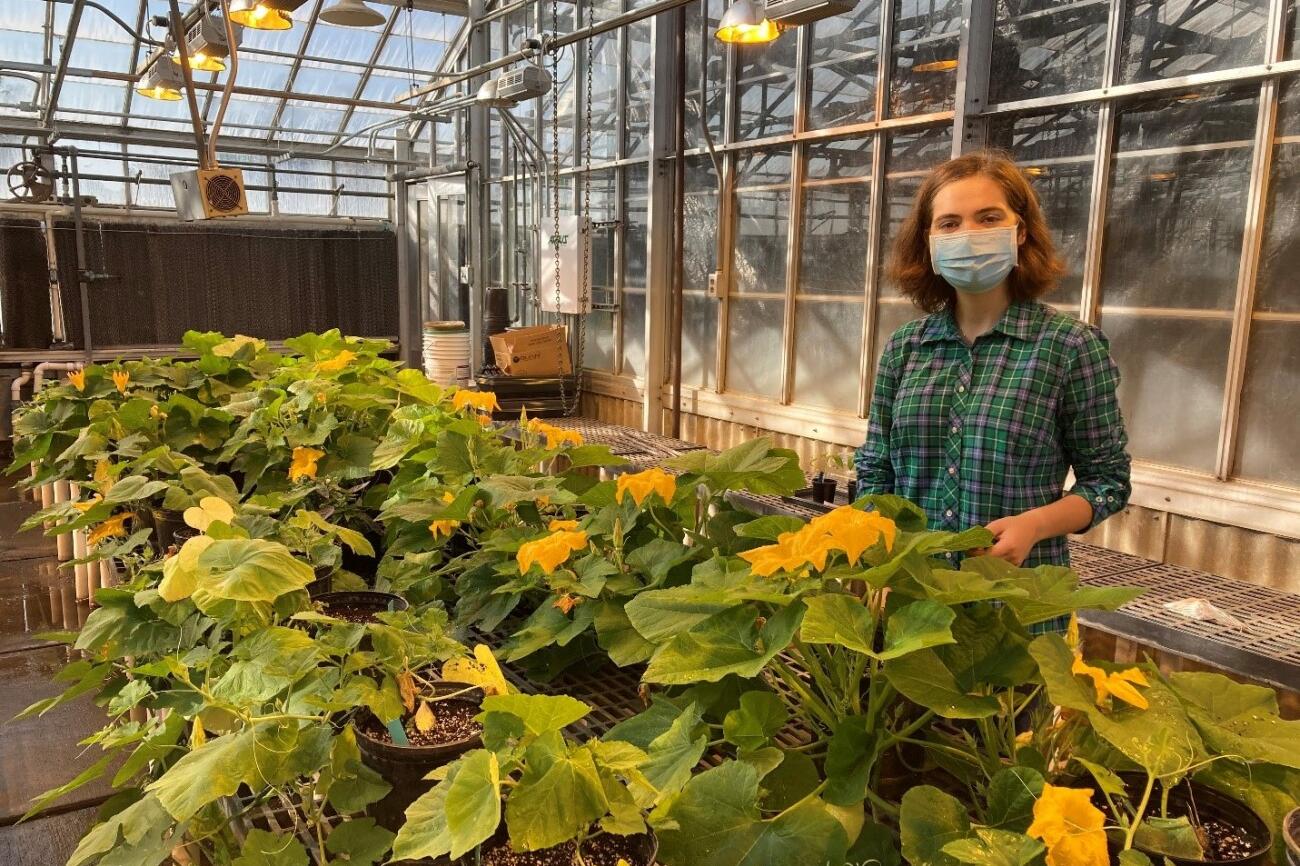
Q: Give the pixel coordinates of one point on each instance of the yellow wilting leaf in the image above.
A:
(211, 509)
(641, 484)
(337, 363)
(622, 862)
(304, 463)
(1072, 633)
(115, 525)
(120, 379)
(1119, 684)
(482, 671)
(425, 720)
(78, 379)
(550, 552)
(556, 525)
(198, 736)
(1070, 826)
(181, 572)
(406, 688)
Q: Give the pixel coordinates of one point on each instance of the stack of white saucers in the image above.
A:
(446, 352)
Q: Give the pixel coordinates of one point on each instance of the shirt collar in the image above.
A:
(1018, 321)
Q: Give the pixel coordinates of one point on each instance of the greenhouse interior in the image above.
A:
(633, 432)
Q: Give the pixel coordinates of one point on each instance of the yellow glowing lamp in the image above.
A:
(260, 15)
(161, 80)
(167, 94)
(203, 62)
(746, 23)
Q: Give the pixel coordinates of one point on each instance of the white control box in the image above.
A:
(574, 243)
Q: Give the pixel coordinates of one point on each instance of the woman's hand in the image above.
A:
(1014, 537)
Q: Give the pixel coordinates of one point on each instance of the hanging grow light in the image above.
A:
(793, 13)
(206, 44)
(746, 23)
(352, 13)
(161, 80)
(264, 14)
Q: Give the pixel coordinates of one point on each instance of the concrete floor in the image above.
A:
(38, 754)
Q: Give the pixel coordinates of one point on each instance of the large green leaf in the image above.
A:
(758, 718)
(992, 847)
(1011, 795)
(262, 848)
(716, 821)
(849, 761)
(212, 771)
(248, 569)
(961, 587)
(1169, 837)
(1050, 591)
(929, 820)
(917, 626)
(1270, 791)
(540, 714)
(1160, 738)
(922, 677)
(672, 755)
(839, 619)
(617, 637)
(1238, 719)
(360, 841)
(558, 797)
(662, 613)
(991, 648)
(348, 784)
(135, 836)
(752, 465)
(911, 549)
(730, 642)
(133, 488)
(424, 833)
(473, 802)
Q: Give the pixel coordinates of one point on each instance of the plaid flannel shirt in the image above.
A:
(972, 433)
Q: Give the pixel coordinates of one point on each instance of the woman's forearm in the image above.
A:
(1068, 514)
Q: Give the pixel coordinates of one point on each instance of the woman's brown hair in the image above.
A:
(1038, 267)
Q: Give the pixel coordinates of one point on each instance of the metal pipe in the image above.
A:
(16, 388)
(679, 227)
(38, 373)
(434, 172)
(115, 19)
(65, 57)
(84, 286)
(178, 35)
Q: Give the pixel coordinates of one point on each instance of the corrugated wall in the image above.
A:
(1228, 551)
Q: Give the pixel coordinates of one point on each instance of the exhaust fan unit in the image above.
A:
(792, 13)
(209, 193)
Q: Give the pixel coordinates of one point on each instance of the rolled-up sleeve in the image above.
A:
(1092, 426)
(872, 460)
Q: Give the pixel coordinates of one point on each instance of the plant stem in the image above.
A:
(1141, 810)
(811, 704)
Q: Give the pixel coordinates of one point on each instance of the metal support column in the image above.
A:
(406, 227)
(477, 218)
(663, 214)
(974, 58)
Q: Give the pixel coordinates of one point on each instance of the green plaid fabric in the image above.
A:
(974, 433)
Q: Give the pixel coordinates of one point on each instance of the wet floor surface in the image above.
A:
(37, 597)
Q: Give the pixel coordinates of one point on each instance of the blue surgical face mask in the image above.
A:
(975, 261)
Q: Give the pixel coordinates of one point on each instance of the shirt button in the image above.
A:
(948, 513)
(961, 389)
(1099, 500)
(948, 556)
(952, 470)
(955, 428)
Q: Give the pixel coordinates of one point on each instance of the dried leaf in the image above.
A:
(425, 720)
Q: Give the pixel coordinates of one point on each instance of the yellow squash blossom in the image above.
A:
(440, 528)
(853, 531)
(566, 603)
(304, 463)
(792, 551)
(337, 363)
(1070, 826)
(120, 379)
(550, 552)
(642, 484)
(1120, 684)
(482, 671)
(1072, 633)
(115, 525)
(483, 401)
(87, 504)
(556, 437)
(557, 524)
(78, 379)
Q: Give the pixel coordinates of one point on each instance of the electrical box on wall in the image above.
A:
(574, 244)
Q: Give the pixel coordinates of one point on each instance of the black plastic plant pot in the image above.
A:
(365, 567)
(604, 850)
(404, 767)
(360, 606)
(1219, 815)
(324, 581)
(1291, 833)
(169, 529)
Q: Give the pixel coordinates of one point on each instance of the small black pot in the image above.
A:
(404, 767)
(1210, 804)
(1291, 833)
(169, 528)
(365, 567)
(824, 490)
(378, 602)
(324, 581)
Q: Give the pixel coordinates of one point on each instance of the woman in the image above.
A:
(982, 407)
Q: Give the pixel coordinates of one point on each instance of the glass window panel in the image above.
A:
(1047, 47)
(699, 340)
(699, 260)
(754, 346)
(762, 217)
(1171, 38)
(346, 43)
(599, 341)
(1292, 43)
(1270, 403)
(844, 59)
(1275, 290)
(604, 97)
(322, 81)
(827, 351)
(97, 54)
(765, 88)
(635, 238)
(603, 209)
(565, 94)
(836, 218)
(1188, 204)
(923, 67)
(633, 311)
(640, 90)
(398, 53)
(706, 71)
(266, 75)
(1056, 150)
(386, 88)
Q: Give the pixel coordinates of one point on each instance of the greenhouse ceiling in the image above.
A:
(70, 66)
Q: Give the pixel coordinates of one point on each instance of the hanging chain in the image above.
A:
(555, 177)
(586, 237)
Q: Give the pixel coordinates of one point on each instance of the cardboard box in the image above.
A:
(542, 350)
